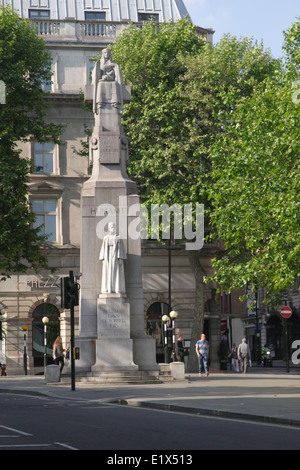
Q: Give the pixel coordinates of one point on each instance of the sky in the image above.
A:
(261, 19)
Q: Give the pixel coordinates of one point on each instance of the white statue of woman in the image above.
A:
(108, 84)
(112, 254)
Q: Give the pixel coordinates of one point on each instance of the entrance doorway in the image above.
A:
(53, 330)
(275, 334)
(155, 327)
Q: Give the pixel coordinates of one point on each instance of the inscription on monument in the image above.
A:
(110, 150)
(113, 321)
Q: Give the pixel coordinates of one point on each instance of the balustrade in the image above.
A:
(79, 29)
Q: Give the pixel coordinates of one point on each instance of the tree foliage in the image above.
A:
(156, 120)
(182, 89)
(291, 48)
(255, 191)
(24, 65)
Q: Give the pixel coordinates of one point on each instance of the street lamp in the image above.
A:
(165, 319)
(25, 328)
(173, 315)
(45, 321)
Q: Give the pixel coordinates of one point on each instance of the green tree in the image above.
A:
(291, 48)
(182, 92)
(255, 191)
(156, 118)
(24, 66)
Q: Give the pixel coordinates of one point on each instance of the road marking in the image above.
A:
(65, 445)
(15, 430)
(25, 445)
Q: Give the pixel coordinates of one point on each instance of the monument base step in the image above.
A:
(165, 374)
(117, 377)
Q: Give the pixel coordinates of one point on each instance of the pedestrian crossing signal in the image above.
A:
(69, 292)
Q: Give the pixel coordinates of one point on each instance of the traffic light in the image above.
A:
(69, 291)
(74, 293)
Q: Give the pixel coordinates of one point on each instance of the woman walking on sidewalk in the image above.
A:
(58, 353)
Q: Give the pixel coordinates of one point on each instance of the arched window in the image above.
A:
(53, 330)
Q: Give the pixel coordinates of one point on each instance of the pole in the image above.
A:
(286, 345)
(174, 340)
(166, 343)
(286, 342)
(165, 320)
(45, 348)
(25, 354)
(173, 316)
(257, 333)
(169, 273)
(72, 301)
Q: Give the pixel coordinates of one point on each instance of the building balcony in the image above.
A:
(71, 30)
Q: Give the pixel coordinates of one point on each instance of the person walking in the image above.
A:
(180, 350)
(234, 358)
(202, 351)
(58, 353)
(244, 354)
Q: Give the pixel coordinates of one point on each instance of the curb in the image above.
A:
(210, 412)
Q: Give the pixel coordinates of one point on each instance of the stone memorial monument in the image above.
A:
(111, 327)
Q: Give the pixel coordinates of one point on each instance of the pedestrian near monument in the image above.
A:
(234, 358)
(244, 354)
(58, 353)
(202, 351)
(180, 350)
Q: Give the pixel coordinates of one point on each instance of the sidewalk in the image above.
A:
(270, 396)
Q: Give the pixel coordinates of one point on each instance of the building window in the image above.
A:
(43, 156)
(148, 17)
(91, 67)
(95, 15)
(46, 217)
(47, 85)
(40, 14)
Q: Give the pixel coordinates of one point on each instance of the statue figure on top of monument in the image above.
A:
(112, 254)
(108, 84)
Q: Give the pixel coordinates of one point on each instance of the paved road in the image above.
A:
(47, 423)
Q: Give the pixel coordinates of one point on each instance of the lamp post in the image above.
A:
(25, 328)
(45, 321)
(165, 319)
(173, 315)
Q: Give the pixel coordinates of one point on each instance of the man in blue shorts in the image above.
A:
(202, 351)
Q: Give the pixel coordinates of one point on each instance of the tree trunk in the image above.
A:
(198, 321)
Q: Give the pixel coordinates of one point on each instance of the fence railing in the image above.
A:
(79, 29)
